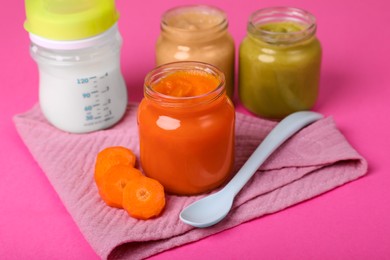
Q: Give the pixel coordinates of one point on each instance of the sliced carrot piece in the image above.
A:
(144, 198)
(111, 156)
(114, 181)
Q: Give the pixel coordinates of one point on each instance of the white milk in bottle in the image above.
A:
(76, 44)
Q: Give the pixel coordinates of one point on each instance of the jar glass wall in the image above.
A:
(197, 33)
(186, 143)
(279, 62)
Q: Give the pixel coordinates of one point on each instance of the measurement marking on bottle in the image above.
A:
(82, 81)
(96, 92)
(105, 90)
(108, 118)
(105, 75)
(88, 108)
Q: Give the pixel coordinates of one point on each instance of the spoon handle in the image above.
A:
(282, 131)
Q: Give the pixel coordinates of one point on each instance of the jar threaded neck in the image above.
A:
(187, 101)
(304, 24)
(208, 22)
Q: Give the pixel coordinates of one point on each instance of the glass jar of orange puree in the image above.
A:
(197, 33)
(279, 62)
(186, 128)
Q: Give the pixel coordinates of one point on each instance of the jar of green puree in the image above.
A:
(279, 62)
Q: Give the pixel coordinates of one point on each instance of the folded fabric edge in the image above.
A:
(141, 250)
(158, 246)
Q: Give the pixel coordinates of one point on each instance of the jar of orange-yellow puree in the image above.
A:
(186, 128)
(197, 33)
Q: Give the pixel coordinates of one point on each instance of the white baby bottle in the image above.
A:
(76, 44)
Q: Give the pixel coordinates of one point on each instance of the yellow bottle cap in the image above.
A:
(69, 19)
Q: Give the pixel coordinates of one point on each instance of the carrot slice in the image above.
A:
(111, 156)
(114, 181)
(144, 198)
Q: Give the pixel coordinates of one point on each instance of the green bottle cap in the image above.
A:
(69, 19)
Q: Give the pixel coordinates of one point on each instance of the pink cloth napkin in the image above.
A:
(314, 161)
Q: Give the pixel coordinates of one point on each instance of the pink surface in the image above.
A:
(314, 161)
(351, 222)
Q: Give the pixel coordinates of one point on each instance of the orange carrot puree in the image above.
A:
(188, 149)
(186, 84)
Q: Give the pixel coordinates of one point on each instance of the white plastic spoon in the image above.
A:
(212, 209)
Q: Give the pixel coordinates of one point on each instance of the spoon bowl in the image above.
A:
(212, 209)
(197, 214)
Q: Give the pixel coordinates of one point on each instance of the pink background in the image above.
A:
(351, 222)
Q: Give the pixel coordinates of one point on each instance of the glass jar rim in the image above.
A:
(198, 33)
(172, 101)
(278, 14)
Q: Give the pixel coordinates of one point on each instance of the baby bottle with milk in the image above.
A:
(76, 44)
